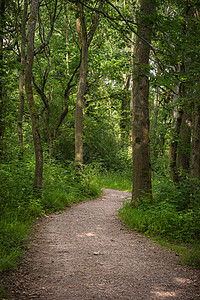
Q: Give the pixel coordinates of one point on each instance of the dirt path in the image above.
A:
(86, 253)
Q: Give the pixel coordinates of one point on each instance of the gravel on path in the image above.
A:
(86, 253)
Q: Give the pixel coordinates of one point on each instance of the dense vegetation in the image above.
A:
(49, 159)
(172, 219)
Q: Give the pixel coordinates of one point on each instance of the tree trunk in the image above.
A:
(2, 125)
(30, 99)
(79, 106)
(173, 148)
(124, 121)
(175, 138)
(85, 39)
(183, 155)
(140, 100)
(195, 153)
(21, 81)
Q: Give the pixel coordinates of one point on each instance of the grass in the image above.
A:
(19, 206)
(172, 220)
(116, 180)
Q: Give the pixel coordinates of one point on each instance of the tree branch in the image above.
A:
(95, 23)
(46, 42)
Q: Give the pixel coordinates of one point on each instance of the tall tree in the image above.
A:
(21, 79)
(195, 153)
(183, 155)
(124, 120)
(195, 148)
(140, 103)
(30, 98)
(85, 39)
(2, 25)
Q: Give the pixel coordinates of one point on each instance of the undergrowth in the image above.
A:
(173, 217)
(118, 180)
(19, 206)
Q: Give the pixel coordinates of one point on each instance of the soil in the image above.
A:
(86, 253)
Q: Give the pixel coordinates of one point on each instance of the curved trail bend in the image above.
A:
(86, 253)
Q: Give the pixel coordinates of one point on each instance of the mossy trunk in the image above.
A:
(30, 99)
(174, 147)
(184, 145)
(21, 81)
(195, 153)
(2, 123)
(140, 104)
(125, 112)
(79, 107)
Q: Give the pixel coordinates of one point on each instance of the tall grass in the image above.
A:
(118, 180)
(173, 217)
(19, 206)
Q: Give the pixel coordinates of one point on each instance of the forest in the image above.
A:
(100, 94)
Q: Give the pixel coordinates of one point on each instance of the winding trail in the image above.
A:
(86, 253)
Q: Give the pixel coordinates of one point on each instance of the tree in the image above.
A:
(195, 153)
(21, 79)
(44, 66)
(181, 144)
(85, 39)
(124, 121)
(140, 103)
(2, 25)
(183, 151)
(195, 148)
(30, 97)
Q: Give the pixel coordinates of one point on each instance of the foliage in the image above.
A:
(118, 180)
(102, 146)
(63, 186)
(19, 206)
(175, 212)
(173, 216)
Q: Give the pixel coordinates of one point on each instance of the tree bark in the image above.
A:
(85, 39)
(183, 155)
(79, 106)
(140, 101)
(82, 33)
(174, 146)
(30, 99)
(195, 153)
(177, 117)
(124, 120)
(2, 24)
(21, 80)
